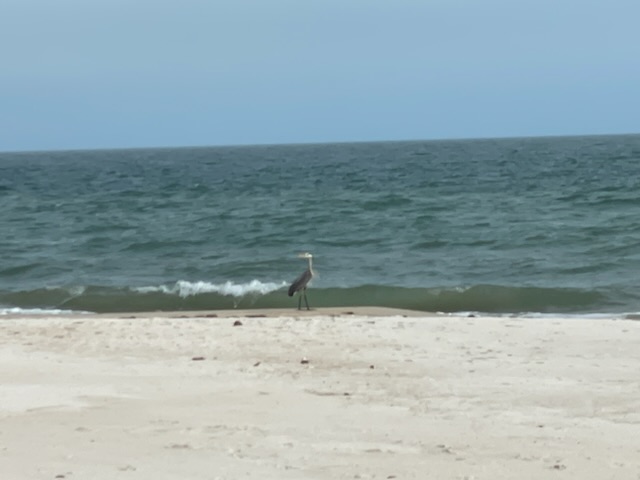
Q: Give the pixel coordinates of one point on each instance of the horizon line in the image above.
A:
(315, 143)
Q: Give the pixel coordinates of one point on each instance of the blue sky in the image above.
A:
(138, 73)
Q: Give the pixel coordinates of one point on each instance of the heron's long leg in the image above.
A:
(300, 301)
(305, 299)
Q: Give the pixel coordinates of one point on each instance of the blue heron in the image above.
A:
(300, 283)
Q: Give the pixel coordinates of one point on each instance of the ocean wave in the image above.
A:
(185, 289)
(199, 295)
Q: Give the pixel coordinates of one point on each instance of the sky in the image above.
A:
(78, 74)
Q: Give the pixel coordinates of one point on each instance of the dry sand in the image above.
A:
(375, 393)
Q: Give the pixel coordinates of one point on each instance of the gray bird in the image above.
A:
(300, 284)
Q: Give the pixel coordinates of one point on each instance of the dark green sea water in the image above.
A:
(546, 225)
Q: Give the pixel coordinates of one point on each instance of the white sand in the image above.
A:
(382, 396)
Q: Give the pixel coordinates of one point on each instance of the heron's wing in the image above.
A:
(300, 282)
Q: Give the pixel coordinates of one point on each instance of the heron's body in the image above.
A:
(299, 285)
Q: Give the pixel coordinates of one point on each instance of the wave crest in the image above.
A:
(184, 288)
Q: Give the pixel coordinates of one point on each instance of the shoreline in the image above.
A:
(233, 313)
(374, 311)
(377, 393)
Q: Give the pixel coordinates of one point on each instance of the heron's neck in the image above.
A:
(310, 265)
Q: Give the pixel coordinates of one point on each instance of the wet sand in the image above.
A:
(331, 393)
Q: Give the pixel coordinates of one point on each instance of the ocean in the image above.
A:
(502, 226)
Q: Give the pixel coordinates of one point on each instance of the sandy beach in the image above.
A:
(357, 393)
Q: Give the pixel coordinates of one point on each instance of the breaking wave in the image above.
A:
(185, 289)
(200, 295)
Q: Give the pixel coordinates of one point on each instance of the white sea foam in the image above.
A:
(38, 311)
(185, 289)
(560, 315)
